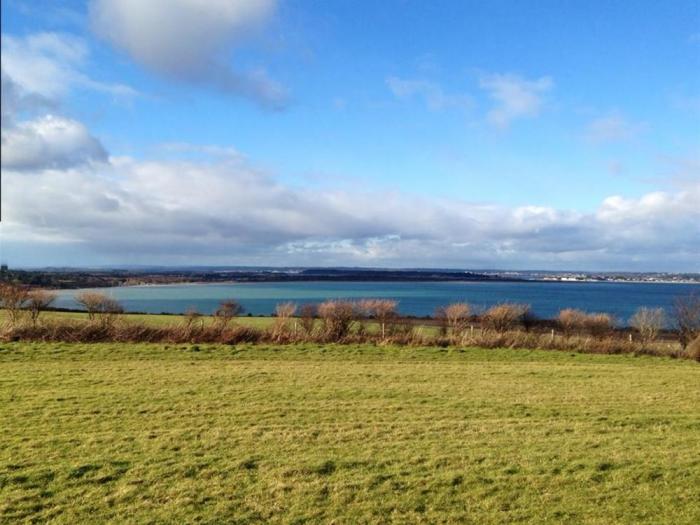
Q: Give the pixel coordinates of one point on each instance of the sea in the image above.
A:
(546, 298)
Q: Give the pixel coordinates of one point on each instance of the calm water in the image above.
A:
(546, 299)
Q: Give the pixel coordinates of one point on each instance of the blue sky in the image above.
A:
(523, 134)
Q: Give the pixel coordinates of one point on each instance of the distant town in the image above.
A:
(632, 277)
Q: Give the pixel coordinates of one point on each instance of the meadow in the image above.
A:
(149, 319)
(309, 433)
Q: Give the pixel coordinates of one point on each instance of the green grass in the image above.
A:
(349, 434)
(152, 319)
(171, 319)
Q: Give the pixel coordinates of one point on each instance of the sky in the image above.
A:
(547, 134)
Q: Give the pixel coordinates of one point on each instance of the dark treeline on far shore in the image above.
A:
(374, 321)
(74, 278)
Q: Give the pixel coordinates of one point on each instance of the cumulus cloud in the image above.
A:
(431, 93)
(49, 142)
(225, 209)
(514, 97)
(190, 40)
(613, 128)
(38, 72)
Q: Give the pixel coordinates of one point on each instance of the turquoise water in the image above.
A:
(422, 298)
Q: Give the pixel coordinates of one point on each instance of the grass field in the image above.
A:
(260, 322)
(152, 319)
(309, 434)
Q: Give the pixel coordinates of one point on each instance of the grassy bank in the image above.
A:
(308, 433)
(149, 319)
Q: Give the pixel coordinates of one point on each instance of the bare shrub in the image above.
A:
(403, 332)
(599, 324)
(363, 312)
(190, 326)
(455, 318)
(37, 302)
(693, 349)
(504, 317)
(307, 318)
(100, 307)
(109, 312)
(648, 322)
(285, 310)
(441, 317)
(226, 312)
(337, 317)
(90, 301)
(281, 331)
(136, 332)
(381, 310)
(529, 320)
(571, 321)
(14, 298)
(238, 334)
(192, 317)
(687, 317)
(384, 311)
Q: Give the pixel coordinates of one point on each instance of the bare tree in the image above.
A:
(504, 317)
(37, 302)
(109, 311)
(456, 318)
(100, 306)
(13, 298)
(648, 322)
(381, 310)
(91, 301)
(226, 311)
(687, 317)
(384, 311)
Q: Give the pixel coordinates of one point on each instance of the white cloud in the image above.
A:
(224, 209)
(432, 94)
(190, 40)
(514, 97)
(38, 72)
(48, 65)
(613, 127)
(49, 142)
